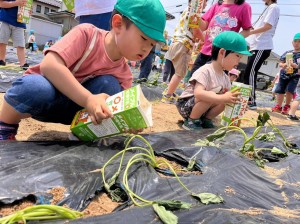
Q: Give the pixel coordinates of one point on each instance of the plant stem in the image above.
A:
(125, 180)
(171, 168)
(243, 119)
(234, 128)
(121, 161)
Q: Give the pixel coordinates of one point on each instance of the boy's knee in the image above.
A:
(33, 88)
(104, 84)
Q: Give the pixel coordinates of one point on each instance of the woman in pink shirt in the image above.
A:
(224, 15)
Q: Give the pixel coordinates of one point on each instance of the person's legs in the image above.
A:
(185, 107)
(180, 58)
(63, 109)
(290, 90)
(146, 66)
(21, 101)
(31, 47)
(21, 55)
(292, 113)
(294, 106)
(167, 70)
(172, 72)
(101, 21)
(214, 111)
(201, 60)
(2, 53)
(18, 38)
(5, 33)
(273, 91)
(34, 95)
(253, 65)
(280, 91)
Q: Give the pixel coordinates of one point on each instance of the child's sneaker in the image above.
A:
(169, 99)
(207, 123)
(192, 124)
(2, 63)
(277, 109)
(293, 117)
(8, 131)
(285, 110)
(252, 105)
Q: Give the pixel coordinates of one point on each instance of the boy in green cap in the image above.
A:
(205, 96)
(71, 78)
(288, 81)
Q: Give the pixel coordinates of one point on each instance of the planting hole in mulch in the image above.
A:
(164, 170)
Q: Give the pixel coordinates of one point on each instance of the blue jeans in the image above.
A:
(101, 21)
(35, 95)
(146, 66)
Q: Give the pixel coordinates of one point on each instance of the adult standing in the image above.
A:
(11, 28)
(261, 45)
(95, 12)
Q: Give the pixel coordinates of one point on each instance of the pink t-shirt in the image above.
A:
(225, 17)
(74, 45)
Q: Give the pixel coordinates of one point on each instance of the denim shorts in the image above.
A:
(35, 95)
(185, 106)
(287, 84)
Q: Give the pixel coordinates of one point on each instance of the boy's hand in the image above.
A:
(97, 108)
(232, 96)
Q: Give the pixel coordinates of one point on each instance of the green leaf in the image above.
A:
(216, 135)
(165, 216)
(267, 137)
(118, 195)
(277, 151)
(260, 163)
(208, 198)
(191, 164)
(290, 145)
(174, 204)
(295, 151)
(205, 142)
(262, 119)
(249, 147)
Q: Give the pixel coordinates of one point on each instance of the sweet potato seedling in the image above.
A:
(248, 143)
(146, 155)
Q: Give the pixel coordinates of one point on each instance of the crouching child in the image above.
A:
(205, 96)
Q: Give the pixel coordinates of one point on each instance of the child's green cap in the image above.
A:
(148, 15)
(297, 36)
(233, 41)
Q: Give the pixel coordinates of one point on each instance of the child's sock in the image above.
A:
(8, 131)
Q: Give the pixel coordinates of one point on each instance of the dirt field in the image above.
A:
(165, 118)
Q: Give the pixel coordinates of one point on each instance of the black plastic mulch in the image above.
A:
(32, 168)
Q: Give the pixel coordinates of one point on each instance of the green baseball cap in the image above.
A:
(297, 36)
(148, 15)
(233, 41)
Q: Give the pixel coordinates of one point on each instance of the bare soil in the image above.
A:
(165, 118)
